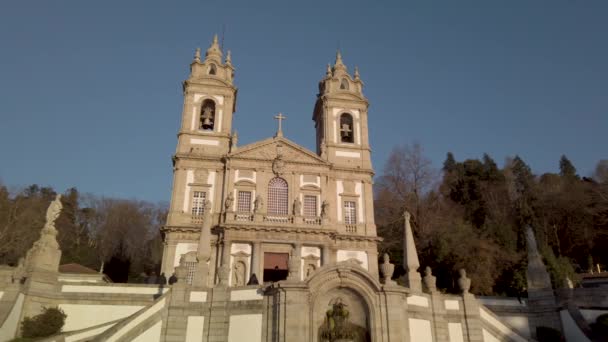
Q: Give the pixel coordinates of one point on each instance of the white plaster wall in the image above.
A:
(339, 190)
(137, 320)
(209, 142)
(198, 296)
(519, 323)
(572, 332)
(9, 328)
(250, 294)
(343, 255)
(245, 328)
(211, 192)
(238, 177)
(89, 333)
(487, 337)
(420, 330)
(194, 329)
(505, 330)
(359, 191)
(186, 199)
(418, 301)
(308, 251)
(181, 249)
(148, 290)
(80, 316)
(150, 335)
(455, 332)
(348, 154)
(451, 305)
(316, 183)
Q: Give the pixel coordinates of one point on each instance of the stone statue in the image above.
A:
(53, 211)
(324, 209)
(181, 271)
(464, 283)
(238, 274)
(297, 207)
(229, 201)
(235, 140)
(429, 280)
(323, 149)
(310, 268)
(258, 204)
(387, 270)
(45, 253)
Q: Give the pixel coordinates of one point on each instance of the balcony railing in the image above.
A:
(196, 219)
(313, 220)
(278, 218)
(243, 217)
(351, 228)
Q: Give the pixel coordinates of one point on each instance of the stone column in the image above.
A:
(326, 255)
(256, 259)
(372, 262)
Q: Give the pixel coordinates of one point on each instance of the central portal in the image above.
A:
(275, 266)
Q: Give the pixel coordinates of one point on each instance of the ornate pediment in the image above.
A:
(278, 150)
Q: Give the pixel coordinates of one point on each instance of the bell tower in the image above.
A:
(340, 117)
(209, 103)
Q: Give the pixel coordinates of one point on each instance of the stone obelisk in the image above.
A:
(411, 264)
(201, 276)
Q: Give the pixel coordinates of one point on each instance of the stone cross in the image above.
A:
(280, 117)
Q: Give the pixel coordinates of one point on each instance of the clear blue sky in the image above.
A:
(90, 91)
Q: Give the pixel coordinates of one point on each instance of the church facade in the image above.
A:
(273, 242)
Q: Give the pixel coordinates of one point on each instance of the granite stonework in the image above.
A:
(273, 242)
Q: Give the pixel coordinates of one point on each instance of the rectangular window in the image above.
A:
(244, 202)
(310, 205)
(198, 203)
(350, 212)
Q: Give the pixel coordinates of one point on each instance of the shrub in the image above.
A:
(48, 323)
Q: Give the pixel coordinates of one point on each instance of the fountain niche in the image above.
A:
(345, 318)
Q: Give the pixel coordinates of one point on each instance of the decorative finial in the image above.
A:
(464, 282)
(197, 55)
(328, 72)
(356, 73)
(280, 117)
(228, 58)
(214, 52)
(338, 58)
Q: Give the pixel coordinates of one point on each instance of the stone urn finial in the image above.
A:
(464, 283)
(387, 270)
(429, 280)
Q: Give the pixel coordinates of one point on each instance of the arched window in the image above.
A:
(346, 128)
(212, 69)
(207, 115)
(344, 84)
(278, 202)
